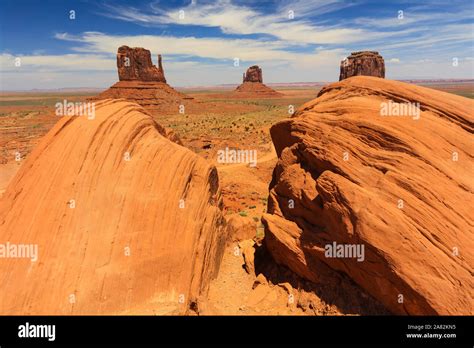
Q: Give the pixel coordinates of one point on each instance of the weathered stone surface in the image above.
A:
(241, 228)
(365, 63)
(150, 95)
(253, 74)
(400, 186)
(145, 234)
(135, 64)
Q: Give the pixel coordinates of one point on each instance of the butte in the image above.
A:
(252, 85)
(362, 63)
(142, 82)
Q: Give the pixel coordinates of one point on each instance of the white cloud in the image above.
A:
(214, 48)
(415, 18)
(429, 69)
(55, 62)
(222, 51)
(242, 20)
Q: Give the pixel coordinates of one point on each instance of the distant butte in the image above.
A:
(142, 82)
(135, 64)
(253, 86)
(365, 63)
(253, 74)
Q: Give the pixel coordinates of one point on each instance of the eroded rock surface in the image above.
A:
(253, 74)
(363, 63)
(125, 220)
(135, 64)
(399, 185)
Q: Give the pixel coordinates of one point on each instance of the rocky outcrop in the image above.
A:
(365, 63)
(124, 220)
(253, 87)
(135, 64)
(381, 196)
(143, 83)
(253, 74)
(153, 96)
(241, 228)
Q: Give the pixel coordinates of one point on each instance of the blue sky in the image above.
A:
(418, 39)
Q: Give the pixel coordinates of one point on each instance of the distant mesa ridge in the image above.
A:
(365, 63)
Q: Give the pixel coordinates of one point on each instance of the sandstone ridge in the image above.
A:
(396, 185)
(125, 220)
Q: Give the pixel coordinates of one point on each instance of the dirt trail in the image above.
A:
(265, 158)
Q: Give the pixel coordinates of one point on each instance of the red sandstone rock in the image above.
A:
(146, 233)
(241, 228)
(143, 83)
(135, 64)
(150, 95)
(366, 63)
(348, 174)
(253, 87)
(253, 74)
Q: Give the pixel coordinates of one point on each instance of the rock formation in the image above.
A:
(135, 64)
(366, 63)
(253, 74)
(352, 176)
(142, 82)
(252, 85)
(125, 220)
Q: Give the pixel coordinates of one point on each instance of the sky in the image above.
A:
(44, 45)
